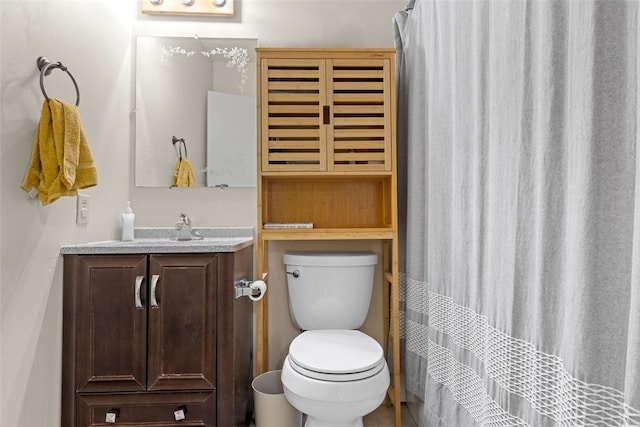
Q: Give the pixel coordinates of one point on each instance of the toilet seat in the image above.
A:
(336, 355)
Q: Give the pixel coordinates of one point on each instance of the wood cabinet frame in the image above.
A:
(327, 156)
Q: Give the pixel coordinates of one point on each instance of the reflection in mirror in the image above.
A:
(201, 90)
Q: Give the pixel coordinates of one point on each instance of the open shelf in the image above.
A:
(349, 203)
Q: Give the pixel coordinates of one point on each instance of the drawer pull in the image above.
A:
(180, 414)
(154, 286)
(138, 299)
(111, 416)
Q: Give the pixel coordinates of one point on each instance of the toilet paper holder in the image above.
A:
(254, 289)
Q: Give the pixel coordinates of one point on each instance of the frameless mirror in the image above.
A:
(200, 92)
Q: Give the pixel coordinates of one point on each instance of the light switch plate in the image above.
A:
(82, 209)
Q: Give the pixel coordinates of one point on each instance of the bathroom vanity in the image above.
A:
(153, 333)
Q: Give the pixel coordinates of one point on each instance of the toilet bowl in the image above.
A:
(335, 377)
(333, 373)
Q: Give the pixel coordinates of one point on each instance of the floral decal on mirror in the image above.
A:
(237, 57)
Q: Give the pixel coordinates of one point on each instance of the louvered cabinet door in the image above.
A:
(359, 130)
(327, 114)
(293, 100)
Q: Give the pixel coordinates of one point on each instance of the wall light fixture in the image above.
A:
(188, 7)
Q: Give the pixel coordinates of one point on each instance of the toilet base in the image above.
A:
(334, 404)
(314, 422)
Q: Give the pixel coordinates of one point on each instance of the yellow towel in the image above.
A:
(61, 162)
(183, 173)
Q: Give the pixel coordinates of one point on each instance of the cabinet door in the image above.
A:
(293, 110)
(326, 114)
(111, 322)
(359, 131)
(182, 322)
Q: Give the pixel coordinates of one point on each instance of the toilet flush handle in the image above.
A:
(294, 273)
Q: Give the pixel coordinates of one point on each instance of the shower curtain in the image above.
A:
(520, 211)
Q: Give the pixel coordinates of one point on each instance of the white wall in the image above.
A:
(97, 52)
(94, 39)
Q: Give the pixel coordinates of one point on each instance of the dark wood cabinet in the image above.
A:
(156, 339)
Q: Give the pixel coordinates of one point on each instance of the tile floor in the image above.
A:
(384, 417)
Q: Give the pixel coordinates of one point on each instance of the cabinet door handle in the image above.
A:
(138, 299)
(326, 115)
(154, 286)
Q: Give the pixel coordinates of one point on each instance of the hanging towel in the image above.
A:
(61, 162)
(183, 173)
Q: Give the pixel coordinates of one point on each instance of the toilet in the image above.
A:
(333, 373)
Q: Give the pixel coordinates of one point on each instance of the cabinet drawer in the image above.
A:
(149, 409)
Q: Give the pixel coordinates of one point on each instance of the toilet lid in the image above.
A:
(336, 355)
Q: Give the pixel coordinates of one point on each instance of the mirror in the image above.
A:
(201, 91)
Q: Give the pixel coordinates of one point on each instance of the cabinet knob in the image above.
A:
(180, 413)
(111, 416)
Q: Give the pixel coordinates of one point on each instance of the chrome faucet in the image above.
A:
(184, 227)
(185, 232)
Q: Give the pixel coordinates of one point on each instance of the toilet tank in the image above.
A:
(329, 290)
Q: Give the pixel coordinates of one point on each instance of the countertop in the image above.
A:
(163, 240)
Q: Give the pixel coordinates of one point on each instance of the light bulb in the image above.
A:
(218, 3)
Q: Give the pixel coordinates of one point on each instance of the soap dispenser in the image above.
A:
(128, 218)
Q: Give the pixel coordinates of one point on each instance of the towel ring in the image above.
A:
(45, 66)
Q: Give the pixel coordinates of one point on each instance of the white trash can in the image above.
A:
(272, 409)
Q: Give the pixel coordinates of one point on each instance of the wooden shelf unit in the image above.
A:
(327, 156)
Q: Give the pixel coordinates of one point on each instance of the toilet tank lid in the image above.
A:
(330, 259)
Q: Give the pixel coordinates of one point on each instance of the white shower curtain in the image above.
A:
(520, 211)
